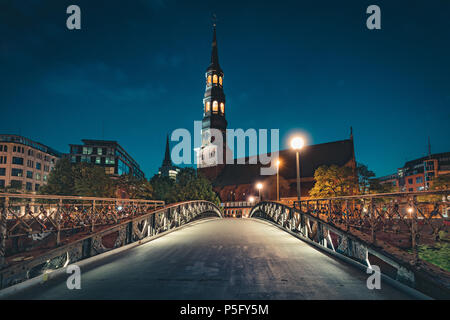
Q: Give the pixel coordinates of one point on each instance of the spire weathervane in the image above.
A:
(214, 19)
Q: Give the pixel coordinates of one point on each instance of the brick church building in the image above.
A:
(237, 182)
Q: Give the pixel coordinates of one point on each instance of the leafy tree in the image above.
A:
(133, 187)
(161, 187)
(364, 178)
(376, 187)
(333, 181)
(80, 179)
(92, 181)
(442, 182)
(188, 186)
(61, 180)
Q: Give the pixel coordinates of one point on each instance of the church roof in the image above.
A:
(311, 157)
(167, 162)
(214, 65)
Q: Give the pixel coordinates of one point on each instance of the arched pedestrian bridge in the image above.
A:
(201, 256)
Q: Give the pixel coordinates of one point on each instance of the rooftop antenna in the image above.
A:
(429, 148)
(214, 19)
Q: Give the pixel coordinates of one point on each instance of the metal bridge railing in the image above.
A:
(25, 218)
(417, 216)
(384, 230)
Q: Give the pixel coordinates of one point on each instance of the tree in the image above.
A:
(442, 182)
(189, 185)
(129, 186)
(92, 181)
(82, 179)
(161, 187)
(375, 186)
(333, 181)
(60, 180)
(364, 177)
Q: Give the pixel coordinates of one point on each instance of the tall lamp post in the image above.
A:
(259, 187)
(297, 143)
(278, 180)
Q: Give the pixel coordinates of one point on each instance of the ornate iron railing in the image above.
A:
(379, 229)
(25, 219)
(403, 219)
(41, 233)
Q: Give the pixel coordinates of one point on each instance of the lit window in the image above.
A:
(215, 106)
(208, 106)
(209, 79)
(215, 79)
(220, 80)
(222, 107)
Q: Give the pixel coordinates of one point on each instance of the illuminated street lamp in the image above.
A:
(278, 179)
(297, 143)
(259, 187)
(410, 211)
(251, 199)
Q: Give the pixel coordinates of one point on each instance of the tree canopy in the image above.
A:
(333, 181)
(189, 185)
(442, 182)
(89, 180)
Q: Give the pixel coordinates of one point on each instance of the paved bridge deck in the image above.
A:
(219, 259)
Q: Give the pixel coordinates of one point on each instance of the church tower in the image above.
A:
(212, 153)
(167, 168)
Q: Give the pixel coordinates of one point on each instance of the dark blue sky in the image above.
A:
(138, 66)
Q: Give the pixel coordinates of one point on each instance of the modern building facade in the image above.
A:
(25, 164)
(105, 153)
(236, 182)
(418, 174)
(167, 168)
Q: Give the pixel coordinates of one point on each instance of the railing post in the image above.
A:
(3, 231)
(93, 216)
(372, 223)
(58, 223)
(414, 231)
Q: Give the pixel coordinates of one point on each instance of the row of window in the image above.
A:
(19, 173)
(93, 159)
(214, 79)
(30, 163)
(17, 184)
(215, 107)
(20, 149)
(418, 180)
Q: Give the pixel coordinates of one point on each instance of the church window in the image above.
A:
(215, 107)
(220, 80)
(222, 107)
(208, 106)
(209, 79)
(215, 79)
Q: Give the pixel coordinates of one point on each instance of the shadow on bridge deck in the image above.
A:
(218, 259)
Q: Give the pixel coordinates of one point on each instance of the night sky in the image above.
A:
(136, 68)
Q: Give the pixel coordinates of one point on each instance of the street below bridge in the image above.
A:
(218, 259)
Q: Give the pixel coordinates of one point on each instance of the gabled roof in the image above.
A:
(311, 157)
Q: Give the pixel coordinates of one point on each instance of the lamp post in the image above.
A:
(278, 180)
(259, 187)
(297, 143)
